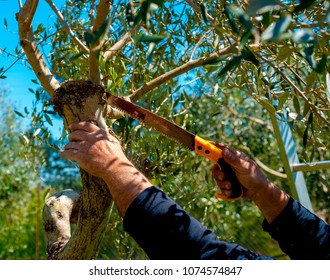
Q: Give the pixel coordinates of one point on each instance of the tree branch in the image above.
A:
(67, 27)
(192, 64)
(30, 47)
(60, 211)
(102, 11)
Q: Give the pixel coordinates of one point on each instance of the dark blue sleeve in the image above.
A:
(165, 231)
(300, 233)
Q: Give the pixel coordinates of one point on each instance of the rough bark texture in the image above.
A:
(78, 101)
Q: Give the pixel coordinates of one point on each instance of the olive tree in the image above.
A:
(270, 53)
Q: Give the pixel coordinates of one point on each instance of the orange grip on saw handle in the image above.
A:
(206, 149)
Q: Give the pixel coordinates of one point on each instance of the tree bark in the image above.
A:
(78, 101)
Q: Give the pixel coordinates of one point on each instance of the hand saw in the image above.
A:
(191, 141)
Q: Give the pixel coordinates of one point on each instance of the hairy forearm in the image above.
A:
(125, 183)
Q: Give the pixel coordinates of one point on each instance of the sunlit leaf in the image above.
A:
(24, 139)
(36, 132)
(275, 31)
(150, 51)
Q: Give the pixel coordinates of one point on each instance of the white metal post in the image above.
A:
(289, 157)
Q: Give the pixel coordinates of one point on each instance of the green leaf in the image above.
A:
(142, 13)
(304, 35)
(149, 38)
(230, 65)
(150, 51)
(19, 114)
(256, 7)
(92, 37)
(305, 137)
(3, 77)
(240, 14)
(283, 99)
(36, 132)
(249, 56)
(310, 122)
(77, 56)
(23, 139)
(5, 22)
(307, 53)
(204, 12)
(275, 31)
(88, 37)
(48, 119)
(304, 4)
(231, 19)
(129, 14)
(321, 66)
(296, 104)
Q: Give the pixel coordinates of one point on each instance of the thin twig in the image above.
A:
(67, 27)
(294, 86)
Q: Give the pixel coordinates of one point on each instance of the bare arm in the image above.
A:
(269, 198)
(101, 155)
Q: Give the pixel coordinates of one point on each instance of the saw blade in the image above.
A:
(162, 125)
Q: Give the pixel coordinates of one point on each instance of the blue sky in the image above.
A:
(19, 76)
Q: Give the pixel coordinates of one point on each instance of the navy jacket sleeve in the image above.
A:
(165, 231)
(301, 234)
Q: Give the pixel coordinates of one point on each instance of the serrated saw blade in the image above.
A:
(164, 126)
(193, 142)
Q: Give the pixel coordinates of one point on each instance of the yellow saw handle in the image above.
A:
(206, 149)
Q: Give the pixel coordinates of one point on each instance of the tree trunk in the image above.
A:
(78, 101)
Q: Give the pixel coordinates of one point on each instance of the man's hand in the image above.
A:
(92, 148)
(270, 199)
(252, 179)
(101, 155)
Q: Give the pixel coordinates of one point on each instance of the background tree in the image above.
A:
(215, 67)
(20, 203)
